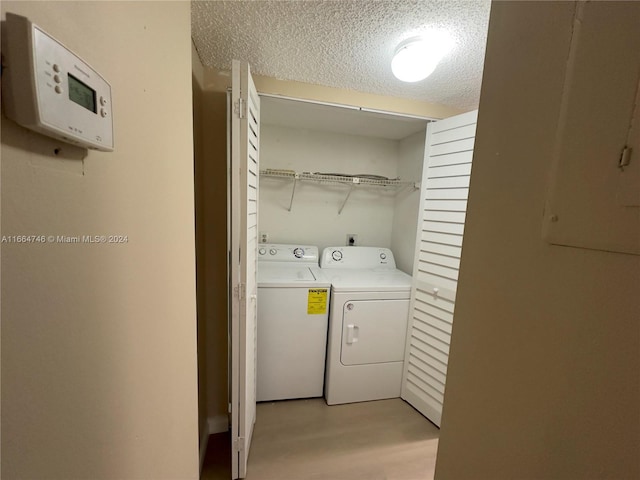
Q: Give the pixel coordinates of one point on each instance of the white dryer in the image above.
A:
(367, 325)
(293, 310)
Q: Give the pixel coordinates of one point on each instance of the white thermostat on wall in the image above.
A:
(49, 89)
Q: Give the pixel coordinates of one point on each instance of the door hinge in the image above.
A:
(240, 108)
(240, 291)
(238, 444)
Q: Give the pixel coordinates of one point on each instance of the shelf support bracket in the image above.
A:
(293, 191)
(355, 182)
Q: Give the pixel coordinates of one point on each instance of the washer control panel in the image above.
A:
(357, 257)
(288, 253)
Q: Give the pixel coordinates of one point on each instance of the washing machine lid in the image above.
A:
(368, 280)
(278, 275)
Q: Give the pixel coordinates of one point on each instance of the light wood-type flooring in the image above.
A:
(306, 439)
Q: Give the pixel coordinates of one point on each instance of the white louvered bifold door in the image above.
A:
(245, 150)
(443, 205)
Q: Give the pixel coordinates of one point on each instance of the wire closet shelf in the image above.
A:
(338, 179)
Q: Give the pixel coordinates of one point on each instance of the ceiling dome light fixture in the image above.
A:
(417, 57)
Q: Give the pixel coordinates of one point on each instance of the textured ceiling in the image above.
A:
(346, 43)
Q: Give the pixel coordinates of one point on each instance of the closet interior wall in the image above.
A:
(384, 217)
(407, 201)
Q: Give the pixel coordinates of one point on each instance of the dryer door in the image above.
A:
(373, 331)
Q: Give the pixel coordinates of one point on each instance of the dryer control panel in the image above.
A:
(357, 257)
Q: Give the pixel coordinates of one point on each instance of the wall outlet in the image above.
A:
(264, 237)
(352, 239)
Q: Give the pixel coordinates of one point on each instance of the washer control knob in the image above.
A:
(262, 251)
(273, 251)
(298, 252)
(336, 255)
(383, 256)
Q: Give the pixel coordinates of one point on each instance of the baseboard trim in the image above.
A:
(218, 424)
(204, 442)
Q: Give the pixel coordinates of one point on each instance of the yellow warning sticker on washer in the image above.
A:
(317, 301)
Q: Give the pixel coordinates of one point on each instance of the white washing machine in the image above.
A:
(367, 324)
(293, 310)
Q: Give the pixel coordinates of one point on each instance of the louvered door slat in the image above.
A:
(448, 152)
(245, 154)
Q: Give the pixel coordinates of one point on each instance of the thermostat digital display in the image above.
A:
(82, 94)
(49, 89)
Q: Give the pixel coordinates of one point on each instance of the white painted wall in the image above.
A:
(314, 217)
(407, 202)
(544, 370)
(99, 341)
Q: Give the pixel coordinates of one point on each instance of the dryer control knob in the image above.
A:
(383, 256)
(262, 251)
(273, 251)
(298, 252)
(336, 255)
